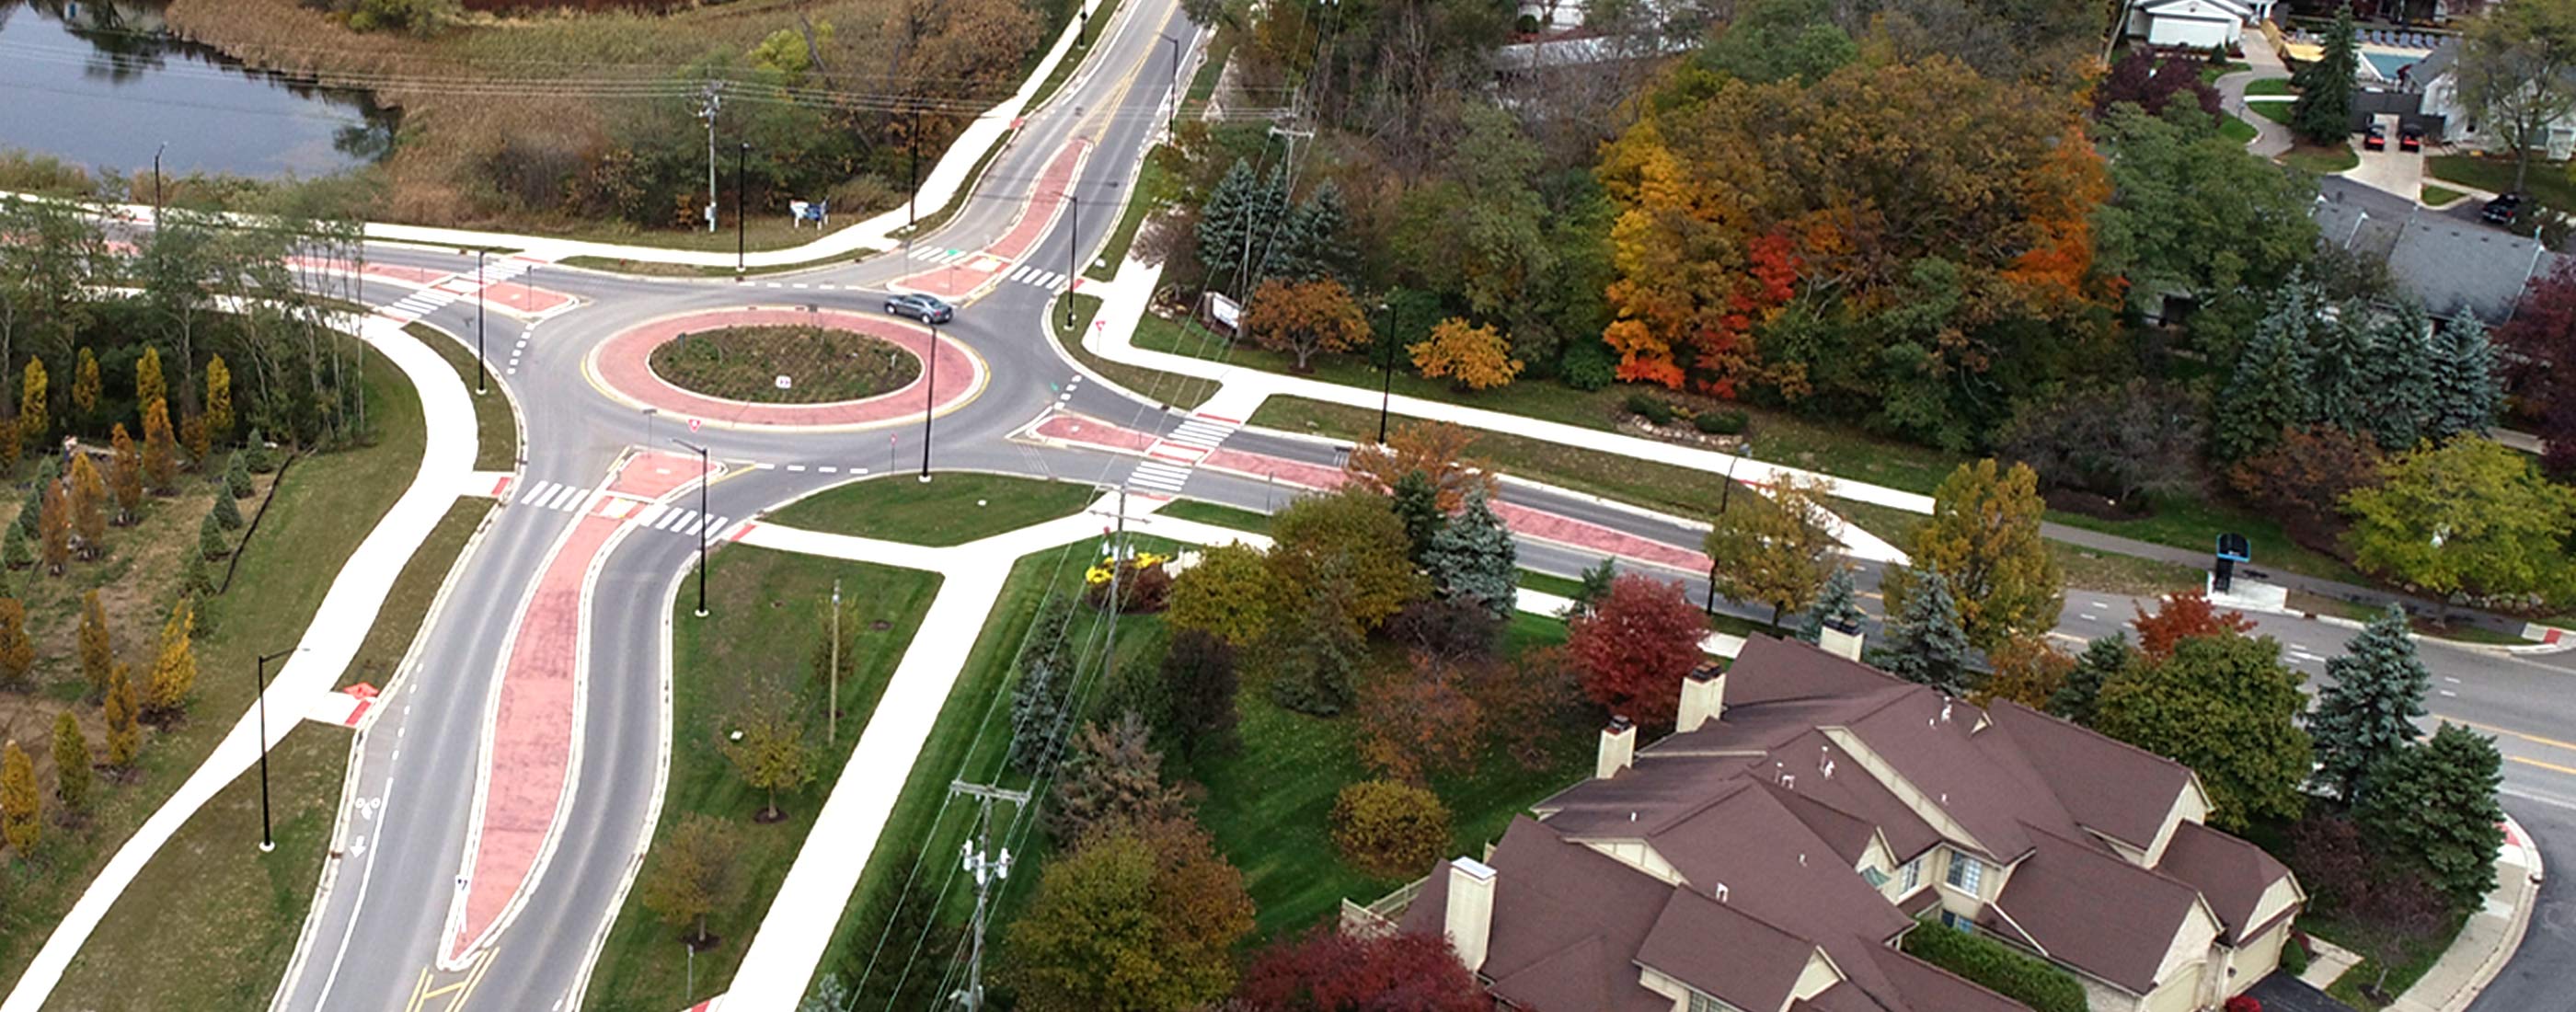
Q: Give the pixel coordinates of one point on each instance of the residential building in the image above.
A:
(2438, 75)
(2192, 24)
(2452, 267)
(1809, 811)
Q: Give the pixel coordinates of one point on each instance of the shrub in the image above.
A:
(1719, 423)
(2025, 979)
(1389, 830)
(1527, 25)
(1589, 366)
(2294, 954)
(2243, 1003)
(1650, 408)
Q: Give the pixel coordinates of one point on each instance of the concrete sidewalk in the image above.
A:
(2487, 941)
(2270, 138)
(347, 612)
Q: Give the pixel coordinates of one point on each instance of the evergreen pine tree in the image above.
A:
(1417, 503)
(1318, 654)
(2342, 380)
(197, 576)
(2433, 806)
(1039, 724)
(2468, 388)
(97, 646)
(237, 476)
(2322, 114)
(48, 471)
(2102, 660)
(211, 541)
(174, 667)
(2268, 393)
(17, 652)
(227, 515)
(14, 550)
(71, 763)
(1223, 222)
(1927, 644)
(85, 385)
(123, 710)
(22, 810)
(2401, 367)
(1266, 218)
(261, 459)
(1315, 241)
(2368, 715)
(1473, 557)
(1839, 603)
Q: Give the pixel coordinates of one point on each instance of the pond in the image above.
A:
(101, 85)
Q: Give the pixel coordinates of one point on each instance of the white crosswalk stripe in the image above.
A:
(538, 491)
(564, 499)
(1020, 273)
(1168, 463)
(651, 512)
(1158, 475)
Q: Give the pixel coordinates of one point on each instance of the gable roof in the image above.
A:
(2075, 763)
(1720, 950)
(2058, 899)
(2230, 873)
(2450, 266)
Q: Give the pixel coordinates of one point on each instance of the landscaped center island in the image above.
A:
(784, 364)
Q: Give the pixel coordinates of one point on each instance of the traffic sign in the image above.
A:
(693, 424)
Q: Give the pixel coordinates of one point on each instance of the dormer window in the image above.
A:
(1700, 1002)
(1874, 877)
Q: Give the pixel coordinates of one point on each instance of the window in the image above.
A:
(1875, 878)
(1910, 877)
(1709, 1003)
(1966, 873)
(1958, 923)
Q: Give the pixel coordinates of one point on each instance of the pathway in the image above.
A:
(2270, 139)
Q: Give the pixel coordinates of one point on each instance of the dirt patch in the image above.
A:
(784, 364)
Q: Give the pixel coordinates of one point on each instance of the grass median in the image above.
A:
(951, 509)
(210, 922)
(1153, 384)
(496, 427)
(773, 619)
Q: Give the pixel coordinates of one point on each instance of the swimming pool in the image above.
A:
(2382, 64)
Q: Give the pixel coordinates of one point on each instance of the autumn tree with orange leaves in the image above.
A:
(1472, 357)
(1440, 450)
(1302, 318)
(1892, 241)
(2182, 616)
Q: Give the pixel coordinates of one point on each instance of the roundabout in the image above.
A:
(734, 351)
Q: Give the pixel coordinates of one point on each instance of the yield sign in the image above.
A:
(693, 424)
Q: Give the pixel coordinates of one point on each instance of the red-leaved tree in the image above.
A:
(1327, 971)
(1635, 647)
(2182, 616)
(2542, 339)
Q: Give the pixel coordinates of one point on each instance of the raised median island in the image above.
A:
(784, 364)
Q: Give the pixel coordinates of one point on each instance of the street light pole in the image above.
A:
(740, 213)
(929, 398)
(705, 520)
(1072, 246)
(156, 184)
(267, 840)
(1386, 369)
(832, 716)
(480, 372)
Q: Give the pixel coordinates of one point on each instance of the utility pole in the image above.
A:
(1117, 561)
(832, 722)
(1072, 251)
(480, 382)
(714, 101)
(1174, 123)
(977, 858)
(705, 520)
(1385, 368)
(156, 185)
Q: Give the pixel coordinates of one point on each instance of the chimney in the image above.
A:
(1618, 749)
(1703, 697)
(1841, 640)
(1469, 920)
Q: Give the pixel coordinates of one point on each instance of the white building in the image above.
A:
(2198, 24)
(2438, 74)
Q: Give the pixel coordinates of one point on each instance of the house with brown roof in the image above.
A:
(1809, 811)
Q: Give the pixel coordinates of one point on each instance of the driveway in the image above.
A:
(2388, 169)
(2270, 138)
(2281, 992)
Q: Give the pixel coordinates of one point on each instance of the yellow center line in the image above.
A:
(2532, 738)
(418, 991)
(481, 967)
(2569, 770)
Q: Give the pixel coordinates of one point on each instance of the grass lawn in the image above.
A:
(2351, 988)
(2547, 181)
(1203, 83)
(951, 509)
(1153, 187)
(2083, 569)
(2236, 129)
(2270, 86)
(1154, 384)
(2324, 160)
(1222, 516)
(209, 922)
(496, 430)
(2195, 524)
(325, 505)
(2210, 72)
(2436, 196)
(650, 268)
(1267, 805)
(2277, 112)
(776, 626)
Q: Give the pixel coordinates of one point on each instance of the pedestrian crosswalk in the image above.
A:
(1035, 277)
(654, 516)
(1168, 462)
(457, 286)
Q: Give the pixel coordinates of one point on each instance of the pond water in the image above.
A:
(100, 84)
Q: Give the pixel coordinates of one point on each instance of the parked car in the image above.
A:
(2410, 139)
(924, 308)
(2502, 210)
(2376, 139)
